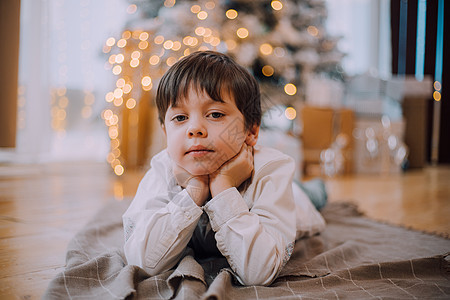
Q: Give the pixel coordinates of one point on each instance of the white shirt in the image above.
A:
(254, 229)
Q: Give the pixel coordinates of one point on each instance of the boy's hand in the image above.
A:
(233, 172)
(196, 186)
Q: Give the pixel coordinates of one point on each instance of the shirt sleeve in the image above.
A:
(159, 222)
(257, 242)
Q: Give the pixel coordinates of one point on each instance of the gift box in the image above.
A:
(320, 128)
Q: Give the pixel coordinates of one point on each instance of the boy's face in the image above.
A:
(202, 134)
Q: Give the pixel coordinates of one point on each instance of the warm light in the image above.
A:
(203, 48)
(186, 52)
(194, 42)
(202, 15)
(196, 9)
(118, 93)
(171, 61)
(168, 44)
(110, 42)
(119, 58)
(147, 88)
(127, 88)
(115, 152)
(134, 63)
(159, 39)
(118, 101)
(115, 162)
(61, 114)
(61, 91)
(437, 85)
(169, 3)
(120, 83)
(208, 39)
(110, 158)
(276, 4)
(107, 114)
(437, 96)
(115, 144)
(231, 14)
(109, 97)
(114, 120)
(154, 60)
(200, 31)
(121, 43)
(266, 49)
(143, 36)
(136, 54)
(176, 46)
(131, 9)
(267, 70)
(290, 89)
(187, 40)
(146, 80)
(242, 32)
(312, 30)
(131, 103)
(106, 49)
(118, 170)
(126, 34)
(63, 102)
(290, 113)
(143, 45)
(117, 70)
(112, 59)
(215, 42)
(208, 32)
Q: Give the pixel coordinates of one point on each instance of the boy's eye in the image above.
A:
(179, 118)
(216, 115)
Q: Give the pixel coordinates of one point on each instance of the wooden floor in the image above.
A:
(43, 206)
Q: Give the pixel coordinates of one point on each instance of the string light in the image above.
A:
(131, 9)
(276, 5)
(242, 32)
(437, 96)
(290, 89)
(231, 14)
(153, 52)
(266, 49)
(110, 42)
(290, 113)
(267, 70)
(195, 9)
(312, 30)
(159, 40)
(202, 15)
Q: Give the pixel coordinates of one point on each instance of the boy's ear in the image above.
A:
(163, 128)
(252, 135)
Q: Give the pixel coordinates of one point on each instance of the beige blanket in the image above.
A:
(354, 258)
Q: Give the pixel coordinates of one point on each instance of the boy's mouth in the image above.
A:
(198, 151)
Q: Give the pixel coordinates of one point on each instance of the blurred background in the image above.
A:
(352, 86)
(353, 90)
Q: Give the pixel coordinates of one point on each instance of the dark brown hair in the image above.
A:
(213, 73)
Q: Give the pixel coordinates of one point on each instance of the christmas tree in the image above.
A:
(283, 43)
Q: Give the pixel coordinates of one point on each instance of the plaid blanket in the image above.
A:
(354, 257)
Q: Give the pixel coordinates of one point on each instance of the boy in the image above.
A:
(212, 189)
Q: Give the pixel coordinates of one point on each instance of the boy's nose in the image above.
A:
(197, 131)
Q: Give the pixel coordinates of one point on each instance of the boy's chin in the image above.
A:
(200, 171)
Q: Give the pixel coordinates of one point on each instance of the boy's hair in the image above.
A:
(214, 73)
